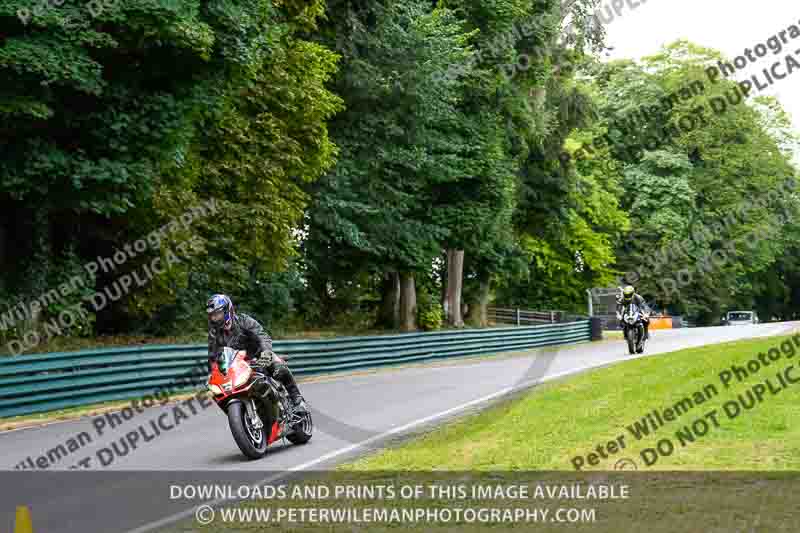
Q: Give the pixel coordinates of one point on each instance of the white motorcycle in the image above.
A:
(633, 321)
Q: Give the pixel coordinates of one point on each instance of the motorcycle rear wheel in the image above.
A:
(302, 431)
(252, 442)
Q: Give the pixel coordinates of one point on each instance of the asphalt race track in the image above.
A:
(353, 414)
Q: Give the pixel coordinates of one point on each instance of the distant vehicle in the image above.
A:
(738, 318)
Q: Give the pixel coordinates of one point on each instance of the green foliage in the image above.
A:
(430, 312)
(348, 139)
(67, 270)
(570, 218)
(432, 318)
(694, 179)
(117, 123)
(399, 137)
(272, 297)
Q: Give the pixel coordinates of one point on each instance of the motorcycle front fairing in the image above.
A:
(231, 375)
(633, 318)
(256, 405)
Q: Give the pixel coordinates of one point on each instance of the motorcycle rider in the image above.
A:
(628, 296)
(243, 332)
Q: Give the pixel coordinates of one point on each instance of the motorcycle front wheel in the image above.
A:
(252, 442)
(630, 336)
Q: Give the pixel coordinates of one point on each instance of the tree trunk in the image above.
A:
(389, 315)
(408, 302)
(478, 314)
(455, 278)
(443, 280)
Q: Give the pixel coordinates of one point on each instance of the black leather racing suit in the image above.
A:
(639, 301)
(247, 334)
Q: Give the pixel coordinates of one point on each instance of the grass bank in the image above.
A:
(552, 425)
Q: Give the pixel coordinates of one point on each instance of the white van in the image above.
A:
(737, 318)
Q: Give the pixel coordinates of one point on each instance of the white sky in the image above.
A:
(729, 26)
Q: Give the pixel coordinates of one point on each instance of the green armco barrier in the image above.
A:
(45, 382)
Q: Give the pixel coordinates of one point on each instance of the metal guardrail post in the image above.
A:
(596, 328)
(518, 316)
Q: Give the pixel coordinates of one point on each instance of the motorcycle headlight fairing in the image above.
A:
(242, 378)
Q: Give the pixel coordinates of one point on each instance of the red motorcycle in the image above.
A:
(258, 407)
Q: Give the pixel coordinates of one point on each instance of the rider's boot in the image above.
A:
(297, 399)
(283, 375)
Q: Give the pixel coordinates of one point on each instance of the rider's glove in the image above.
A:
(265, 358)
(619, 316)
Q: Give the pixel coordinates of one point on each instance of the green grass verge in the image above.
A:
(549, 426)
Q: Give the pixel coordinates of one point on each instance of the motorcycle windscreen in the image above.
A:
(226, 360)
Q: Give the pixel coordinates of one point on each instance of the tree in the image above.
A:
(696, 155)
(115, 123)
(398, 137)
